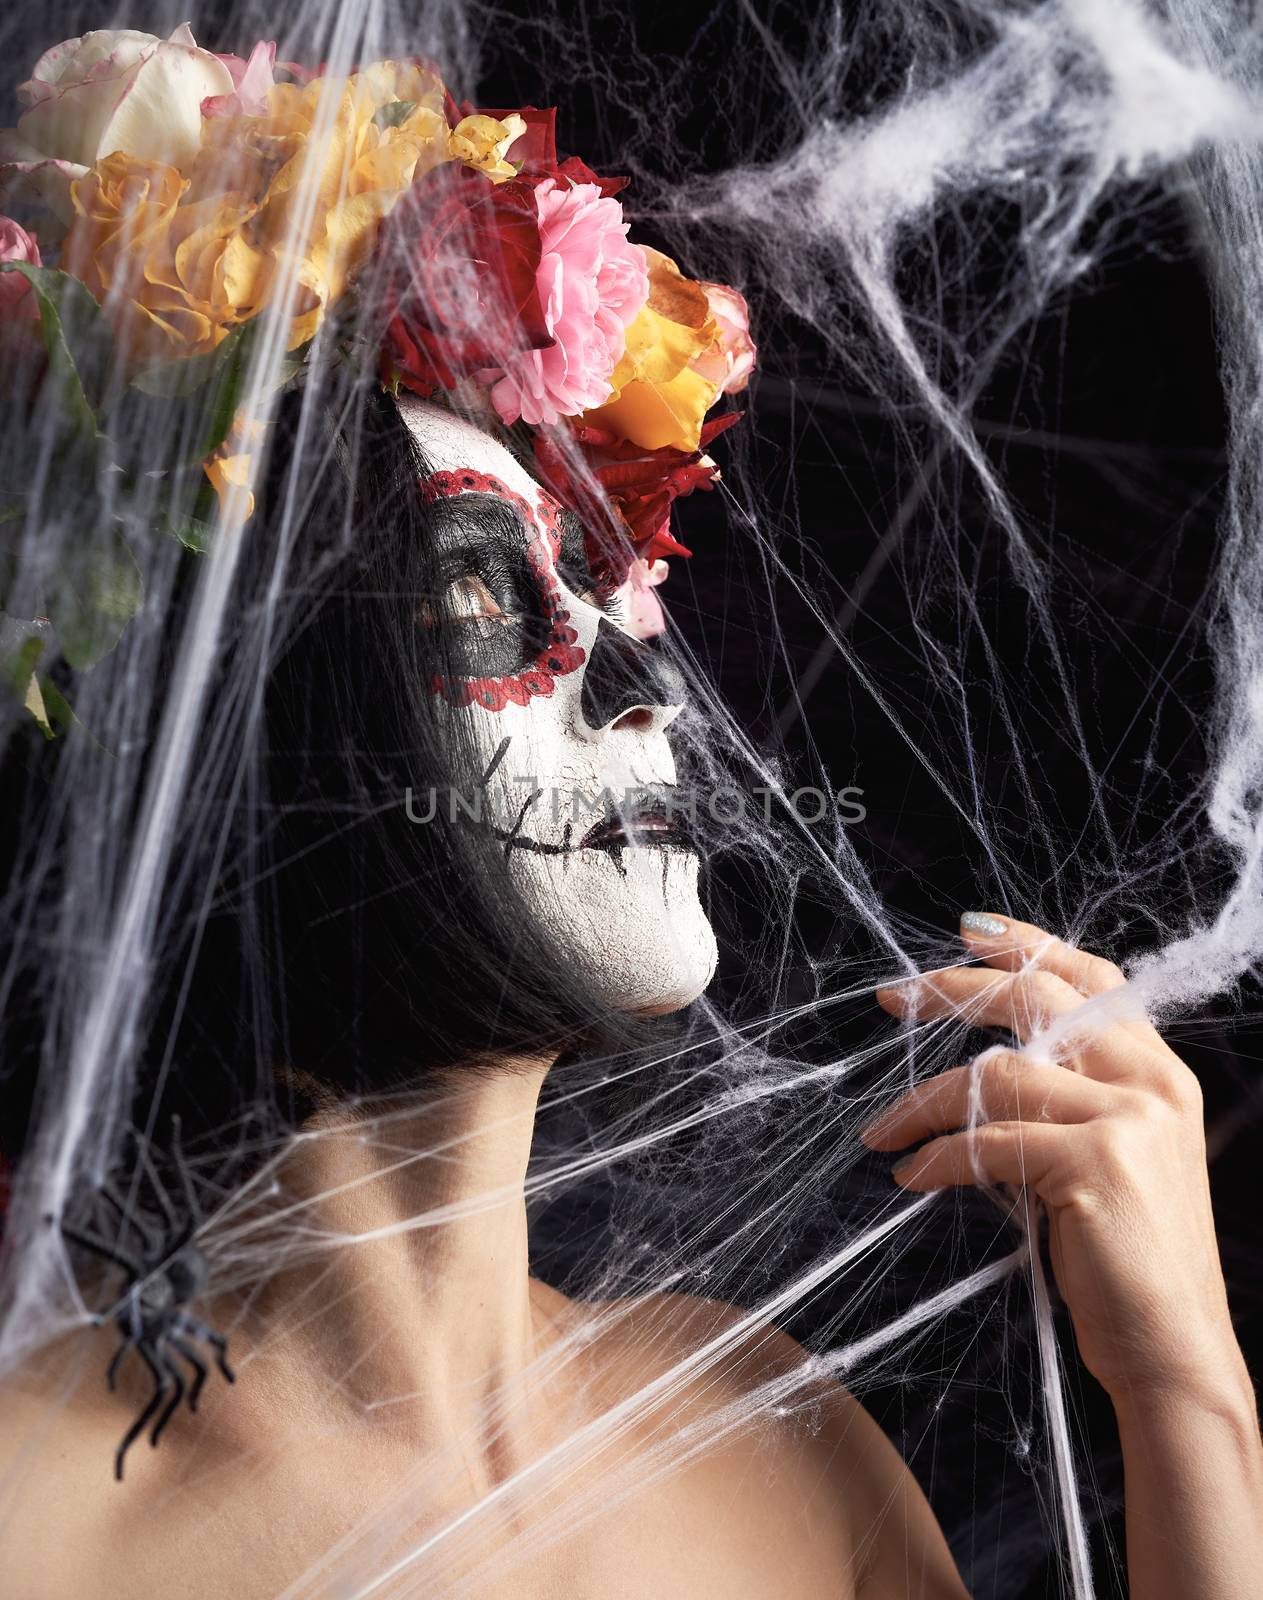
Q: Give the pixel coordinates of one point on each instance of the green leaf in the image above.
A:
(21, 663)
(223, 393)
(288, 369)
(192, 399)
(77, 339)
(394, 114)
(95, 595)
(57, 709)
(182, 375)
(193, 532)
(18, 667)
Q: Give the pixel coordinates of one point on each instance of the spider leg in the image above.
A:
(111, 1376)
(159, 1191)
(219, 1345)
(177, 1386)
(129, 1217)
(182, 1167)
(191, 1328)
(195, 1361)
(109, 1252)
(160, 1387)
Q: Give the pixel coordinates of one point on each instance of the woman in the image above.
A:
(460, 855)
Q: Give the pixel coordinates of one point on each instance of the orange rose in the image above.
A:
(324, 173)
(169, 274)
(286, 202)
(660, 398)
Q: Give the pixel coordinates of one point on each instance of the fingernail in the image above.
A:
(983, 924)
(902, 1168)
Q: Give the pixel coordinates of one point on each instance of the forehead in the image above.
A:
(448, 442)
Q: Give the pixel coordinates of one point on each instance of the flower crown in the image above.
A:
(183, 193)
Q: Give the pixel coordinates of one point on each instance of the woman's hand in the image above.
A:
(1108, 1135)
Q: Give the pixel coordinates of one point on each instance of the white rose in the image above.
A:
(108, 91)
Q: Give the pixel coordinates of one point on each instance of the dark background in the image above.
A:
(1106, 421)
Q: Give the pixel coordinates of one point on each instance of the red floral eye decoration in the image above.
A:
(543, 517)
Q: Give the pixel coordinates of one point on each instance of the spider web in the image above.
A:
(917, 199)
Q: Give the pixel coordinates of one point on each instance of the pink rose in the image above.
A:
(17, 300)
(730, 363)
(112, 90)
(251, 80)
(591, 284)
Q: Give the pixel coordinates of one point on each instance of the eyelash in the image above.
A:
(457, 569)
(613, 604)
(594, 589)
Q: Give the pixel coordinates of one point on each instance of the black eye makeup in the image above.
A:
(479, 588)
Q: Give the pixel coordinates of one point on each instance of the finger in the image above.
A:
(1023, 1002)
(997, 1152)
(1032, 1002)
(1001, 1086)
(1009, 944)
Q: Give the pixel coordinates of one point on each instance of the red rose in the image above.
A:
(461, 256)
(535, 151)
(641, 484)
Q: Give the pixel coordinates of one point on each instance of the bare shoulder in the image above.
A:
(54, 1483)
(67, 1526)
(766, 1409)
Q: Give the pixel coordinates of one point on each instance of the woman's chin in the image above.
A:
(637, 925)
(673, 976)
(685, 969)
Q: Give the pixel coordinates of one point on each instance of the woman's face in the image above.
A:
(568, 715)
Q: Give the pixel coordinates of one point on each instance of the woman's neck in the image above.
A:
(406, 1298)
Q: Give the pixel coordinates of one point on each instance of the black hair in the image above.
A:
(316, 942)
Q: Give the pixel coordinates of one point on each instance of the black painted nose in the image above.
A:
(625, 674)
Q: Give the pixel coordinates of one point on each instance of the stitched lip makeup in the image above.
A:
(652, 826)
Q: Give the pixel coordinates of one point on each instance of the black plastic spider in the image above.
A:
(165, 1273)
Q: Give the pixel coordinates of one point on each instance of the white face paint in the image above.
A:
(623, 898)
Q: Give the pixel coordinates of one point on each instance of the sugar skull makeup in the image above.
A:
(567, 714)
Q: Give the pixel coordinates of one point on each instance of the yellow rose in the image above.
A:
(205, 277)
(230, 470)
(290, 201)
(176, 278)
(326, 171)
(659, 398)
(122, 209)
(483, 142)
